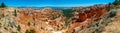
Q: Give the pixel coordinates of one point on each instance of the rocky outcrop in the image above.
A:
(86, 18)
(47, 20)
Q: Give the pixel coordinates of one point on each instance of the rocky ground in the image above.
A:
(114, 25)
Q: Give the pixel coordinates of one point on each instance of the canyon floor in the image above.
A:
(92, 19)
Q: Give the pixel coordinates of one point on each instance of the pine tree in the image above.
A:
(15, 13)
(116, 2)
(2, 5)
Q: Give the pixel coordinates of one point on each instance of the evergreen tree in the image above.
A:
(116, 2)
(2, 5)
(15, 13)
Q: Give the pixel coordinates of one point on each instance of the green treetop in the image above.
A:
(2, 5)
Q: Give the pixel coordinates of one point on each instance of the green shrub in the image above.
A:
(112, 13)
(14, 32)
(5, 28)
(28, 23)
(18, 28)
(30, 31)
(0, 25)
(74, 31)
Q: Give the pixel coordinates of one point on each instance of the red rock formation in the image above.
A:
(90, 14)
(94, 14)
(82, 17)
(39, 19)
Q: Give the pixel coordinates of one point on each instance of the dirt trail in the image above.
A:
(114, 26)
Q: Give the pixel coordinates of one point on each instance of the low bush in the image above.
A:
(112, 13)
(30, 31)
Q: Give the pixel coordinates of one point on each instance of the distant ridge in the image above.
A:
(57, 8)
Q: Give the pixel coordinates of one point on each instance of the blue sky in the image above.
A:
(56, 3)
